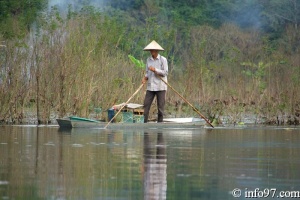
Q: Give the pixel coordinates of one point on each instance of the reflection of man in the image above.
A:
(156, 67)
(155, 168)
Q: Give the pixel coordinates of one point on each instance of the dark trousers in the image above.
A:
(161, 99)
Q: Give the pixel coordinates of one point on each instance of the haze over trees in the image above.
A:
(228, 57)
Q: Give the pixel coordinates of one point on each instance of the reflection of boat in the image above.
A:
(180, 123)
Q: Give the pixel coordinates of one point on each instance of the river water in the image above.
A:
(49, 163)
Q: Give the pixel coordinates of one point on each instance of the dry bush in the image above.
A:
(71, 66)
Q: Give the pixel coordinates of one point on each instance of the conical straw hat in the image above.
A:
(153, 46)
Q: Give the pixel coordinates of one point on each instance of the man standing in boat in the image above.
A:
(156, 68)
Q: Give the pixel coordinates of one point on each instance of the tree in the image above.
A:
(17, 16)
(278, 14)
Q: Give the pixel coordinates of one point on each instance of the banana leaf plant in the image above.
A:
(139, 64)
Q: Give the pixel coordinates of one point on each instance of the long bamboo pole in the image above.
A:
(124, 105)
(195, 109)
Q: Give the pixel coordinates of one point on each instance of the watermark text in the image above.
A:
(264, 193)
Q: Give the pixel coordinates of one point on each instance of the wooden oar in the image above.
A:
(195, 109)
(124, 105)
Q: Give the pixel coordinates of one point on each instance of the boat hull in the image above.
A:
(76, 124)
(150, 125)
(64, 123)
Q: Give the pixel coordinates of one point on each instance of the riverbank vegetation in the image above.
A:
(223, 58)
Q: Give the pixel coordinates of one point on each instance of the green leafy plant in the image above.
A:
(139, 64)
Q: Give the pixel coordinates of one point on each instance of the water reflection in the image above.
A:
(64, 131)
(155, 168)
(61, 178)
(50, 163)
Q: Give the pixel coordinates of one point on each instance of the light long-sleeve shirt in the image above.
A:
(161, 69)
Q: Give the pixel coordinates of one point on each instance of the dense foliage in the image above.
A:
(270, 16)
(16, 17)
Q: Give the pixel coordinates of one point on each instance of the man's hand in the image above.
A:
(152, 69)
(144, 80)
